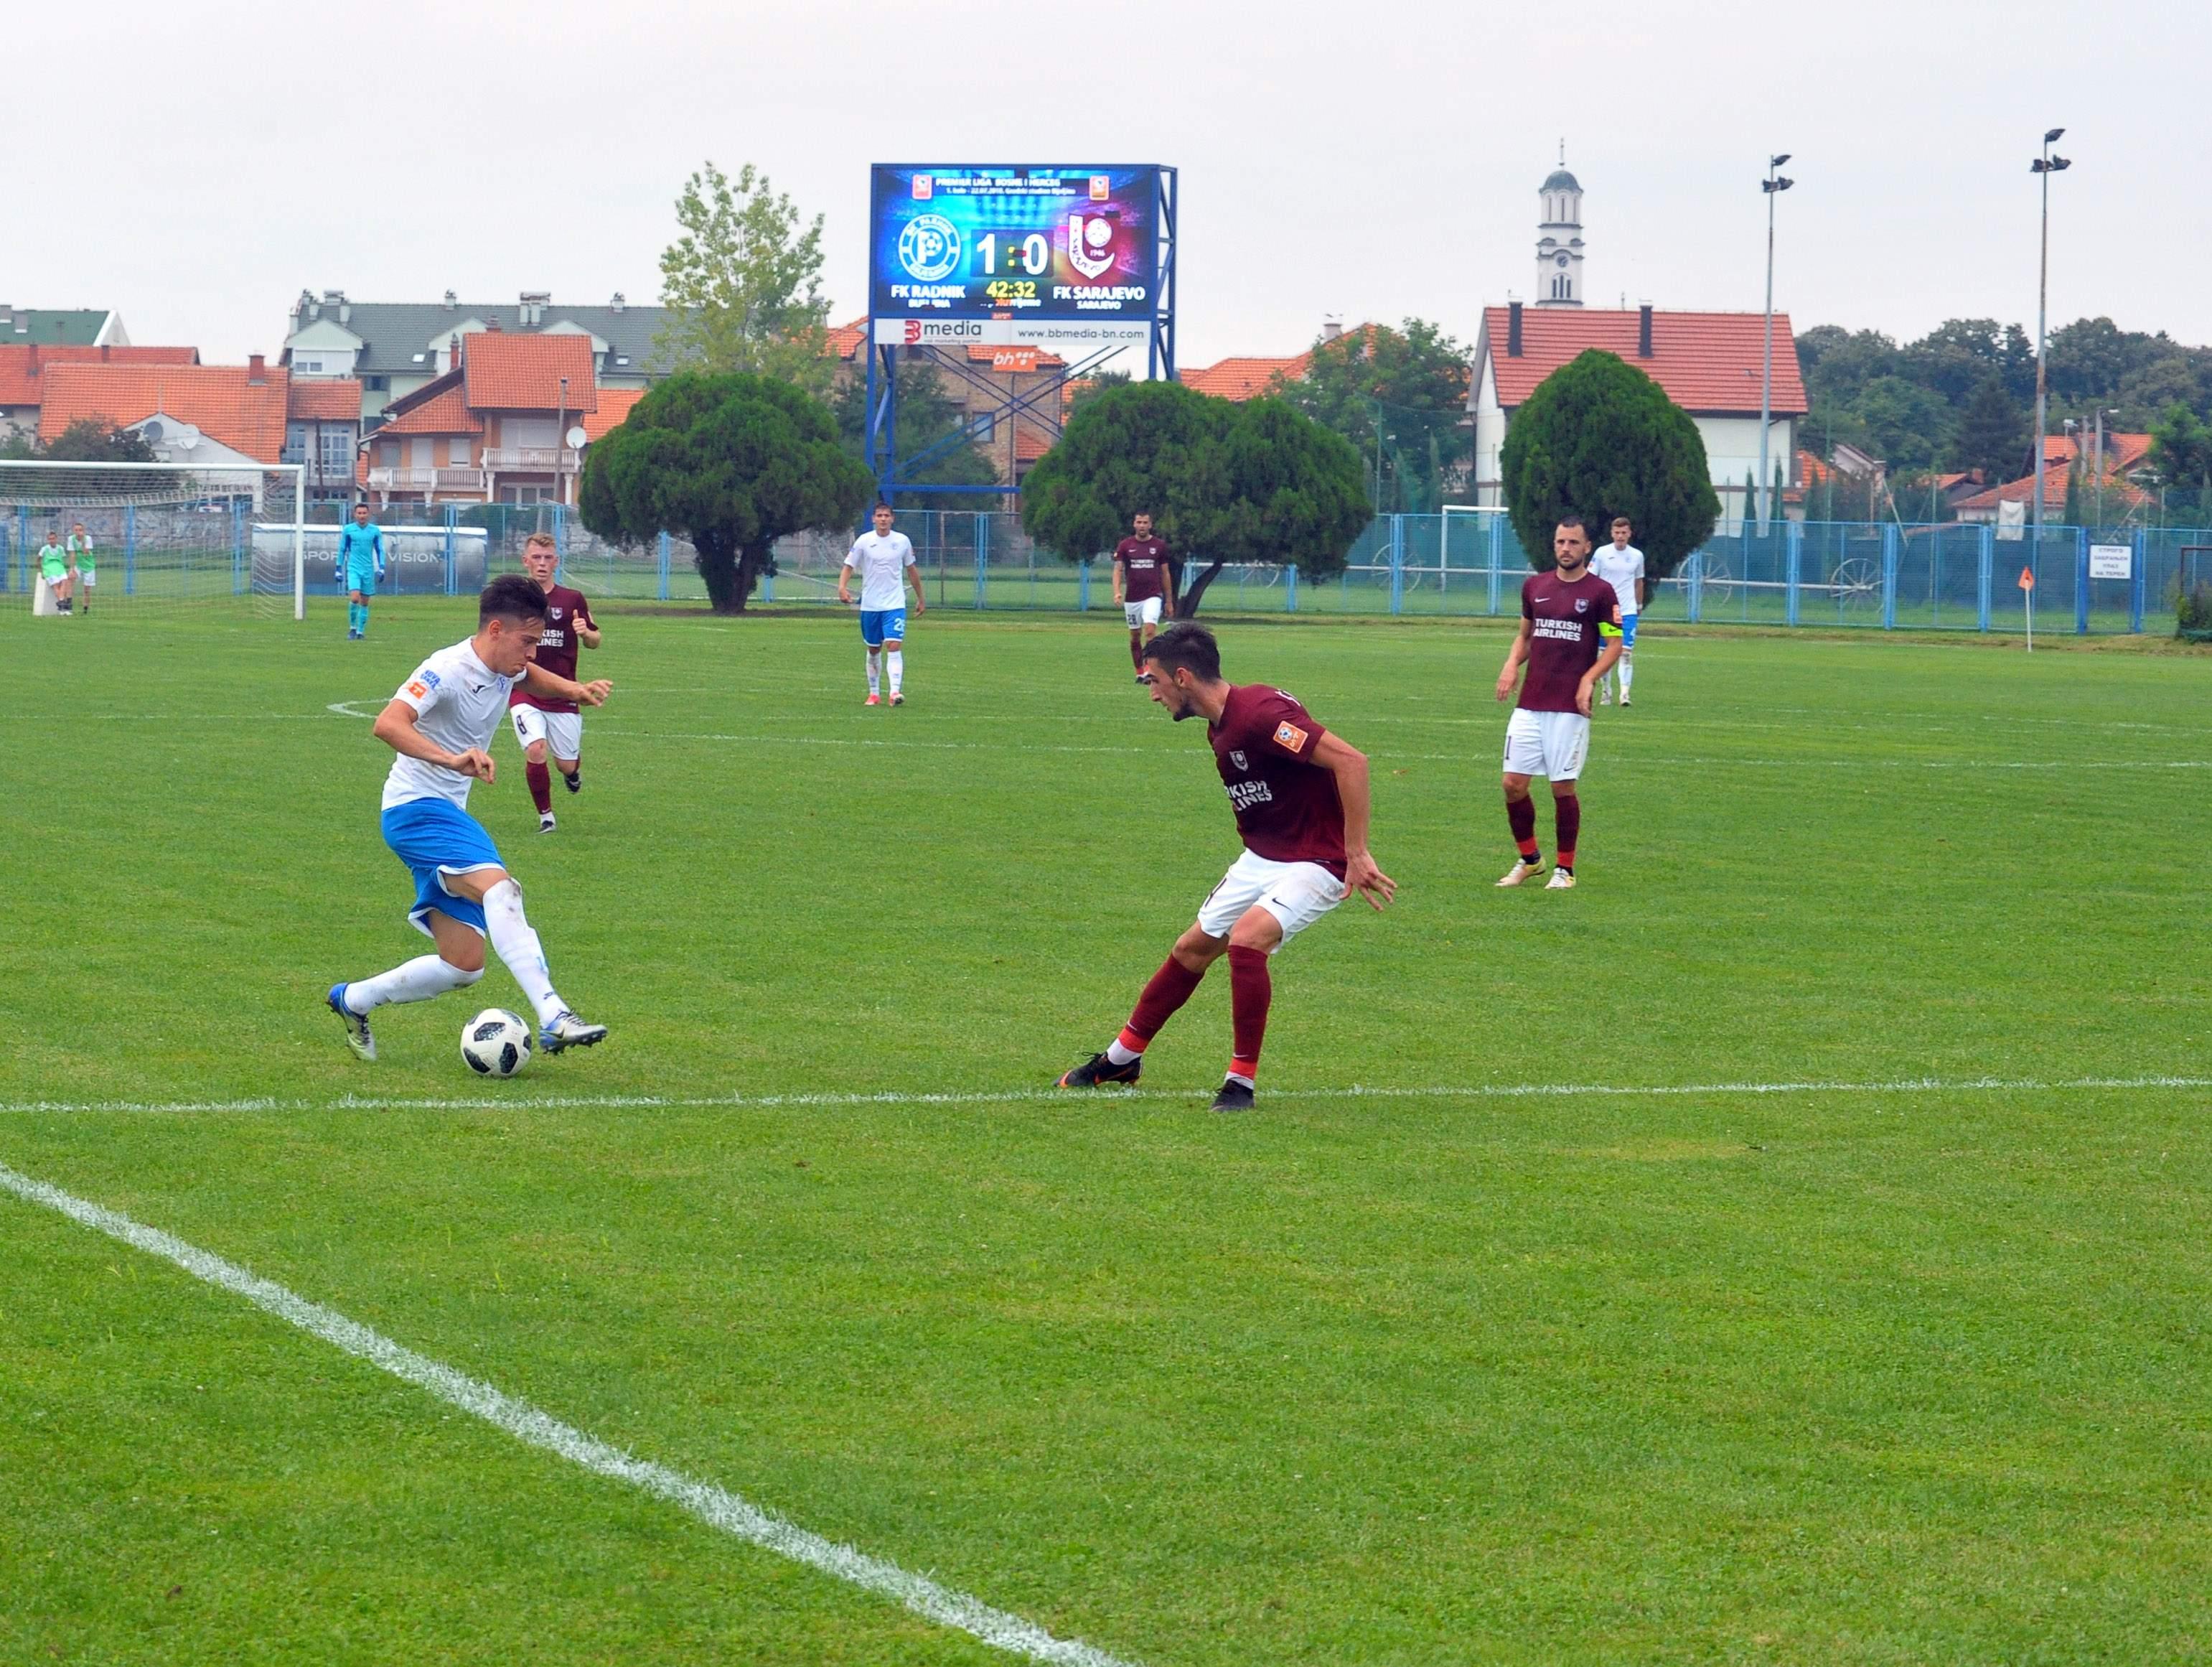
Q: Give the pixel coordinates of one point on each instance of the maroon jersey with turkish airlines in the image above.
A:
(1143, 568)
(1564, 642)
(1287, 806)
(556, 648)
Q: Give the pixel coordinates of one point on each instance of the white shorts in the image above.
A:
(1296, 893)
(1147, 613)
(88, 577)
(561, 732)
(1549, 744)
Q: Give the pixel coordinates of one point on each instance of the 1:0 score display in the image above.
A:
(1033, 254)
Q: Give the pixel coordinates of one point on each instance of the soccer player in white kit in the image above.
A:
(1621, 564)
(885, 560)
(440, 724)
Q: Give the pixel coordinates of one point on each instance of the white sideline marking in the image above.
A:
(1471, 757)
(1072, 1097)
(715, 1506)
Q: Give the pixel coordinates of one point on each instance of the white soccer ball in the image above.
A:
(495, 1043)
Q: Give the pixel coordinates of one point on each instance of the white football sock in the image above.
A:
(418, 980)
(898, 668)
(875, 661)
(1624, 668)
(518, 949)
(1117, 1055)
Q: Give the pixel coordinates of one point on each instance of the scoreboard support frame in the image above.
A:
(880, 435)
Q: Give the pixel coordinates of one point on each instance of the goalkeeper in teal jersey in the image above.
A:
(361, 568)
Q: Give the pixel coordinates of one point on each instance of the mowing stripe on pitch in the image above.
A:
(715, 1506)
(1073, 1099)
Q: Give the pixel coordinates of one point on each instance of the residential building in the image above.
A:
(62, 326)
(21, 365)
(205, 417)
(322, 430)
(2126, 458)
(496, 427)
(1709, 363)
(396, 349)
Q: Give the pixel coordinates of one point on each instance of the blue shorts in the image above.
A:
(362, 579)
(879, 625)
(435, 837)
(1627, 630)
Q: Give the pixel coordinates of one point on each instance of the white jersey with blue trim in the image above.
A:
(882, 560)
(458, 701)
(1620, 569)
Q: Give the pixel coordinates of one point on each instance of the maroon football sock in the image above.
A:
(541, 786)
(1567, 809)
(1250, 990)
(1137, 650)
(1521, 817)
(1170, 987)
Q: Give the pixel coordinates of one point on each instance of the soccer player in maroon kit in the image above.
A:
(1570, 637)
(1301, 799)
(543, 724)
(1144, 586)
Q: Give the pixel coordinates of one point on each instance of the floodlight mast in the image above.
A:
(1773, 186)
(2043, 167)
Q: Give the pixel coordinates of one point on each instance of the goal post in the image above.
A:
(140, 536)
(1473, 542)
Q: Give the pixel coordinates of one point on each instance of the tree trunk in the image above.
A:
(1187, 602)
(720, 567)
(752, 562)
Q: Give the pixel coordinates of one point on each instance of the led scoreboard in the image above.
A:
(1041, 254)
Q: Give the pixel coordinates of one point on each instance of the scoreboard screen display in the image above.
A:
(1073, 243)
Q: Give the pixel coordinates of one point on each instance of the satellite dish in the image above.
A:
(184, 436)
(152, 431)
(576, 437)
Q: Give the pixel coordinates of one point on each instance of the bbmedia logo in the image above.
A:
(944, 330)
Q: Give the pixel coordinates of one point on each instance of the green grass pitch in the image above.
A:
(1849, 1373)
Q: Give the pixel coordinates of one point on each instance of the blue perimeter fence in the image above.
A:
(1878, 575)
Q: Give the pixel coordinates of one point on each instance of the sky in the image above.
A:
(195, 167)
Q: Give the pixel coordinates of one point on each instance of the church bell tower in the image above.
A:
(1559, 238)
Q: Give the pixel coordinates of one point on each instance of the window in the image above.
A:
(621, 358)
(376, 384)
(338, 451)
(457, 452)
(296, 442)
(309, 366)
(982, 425)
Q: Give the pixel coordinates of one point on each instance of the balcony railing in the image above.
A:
(414, 479)
(532, 460)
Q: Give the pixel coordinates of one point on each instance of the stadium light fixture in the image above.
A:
(2043, 167)
(1772, 186)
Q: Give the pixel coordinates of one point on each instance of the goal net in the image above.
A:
(88, 537)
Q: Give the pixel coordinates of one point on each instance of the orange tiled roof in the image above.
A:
(1706, 362)
(614, 405)
(2123, 452)
(505, 370)
(325, 399)
(22, 361)
(1243, 378)
(846, 339)
(219, 400)
(439, 407)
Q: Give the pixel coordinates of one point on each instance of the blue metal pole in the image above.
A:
(982, 558)
(453, 549)
(2082, 581)
(1696, 606)
(131, 550)
(1290, 588)
(662, 544)
(237, 549)
(1083, 586)
(2138, 581)
(1793, 547)
(1397, 564)
(1986, 562)
(1889, 576)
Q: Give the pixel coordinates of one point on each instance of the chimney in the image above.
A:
(1643, 330)
(1513, 330)
(450, 301)
(619, 302)
(534, 303)
(256, 370)
(1332, 327)
(491, 325)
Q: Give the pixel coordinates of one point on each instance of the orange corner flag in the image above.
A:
(2027, 579)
